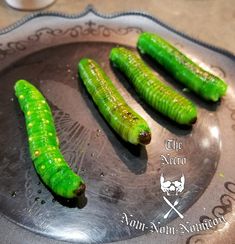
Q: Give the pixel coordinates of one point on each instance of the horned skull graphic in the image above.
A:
(172, 187)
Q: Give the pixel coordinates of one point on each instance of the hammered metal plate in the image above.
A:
(120, 178)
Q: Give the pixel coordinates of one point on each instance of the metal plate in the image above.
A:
(120, 178)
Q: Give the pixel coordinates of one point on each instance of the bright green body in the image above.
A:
(126, 122)
(151, 89)
(43, 143)
(205, 84)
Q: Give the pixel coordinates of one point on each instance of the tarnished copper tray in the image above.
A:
(123, 181)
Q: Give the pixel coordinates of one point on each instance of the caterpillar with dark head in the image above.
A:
(124, 120)
(157, 94)
(44, 144)
(203, 83)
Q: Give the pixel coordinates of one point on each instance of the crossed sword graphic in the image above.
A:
(172, 208)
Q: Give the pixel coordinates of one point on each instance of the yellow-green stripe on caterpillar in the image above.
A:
(124, 120)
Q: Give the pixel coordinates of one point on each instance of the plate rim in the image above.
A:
(91, 9)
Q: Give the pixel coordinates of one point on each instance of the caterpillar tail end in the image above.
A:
(80, 190)
(193, 121)
(144, 138)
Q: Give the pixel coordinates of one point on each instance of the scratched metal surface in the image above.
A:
(119, 177)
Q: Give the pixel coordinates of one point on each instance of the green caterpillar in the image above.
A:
(203, 83)
(44, 145)
(151, 89)
(126, 122)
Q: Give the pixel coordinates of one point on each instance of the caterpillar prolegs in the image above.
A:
(44, 145)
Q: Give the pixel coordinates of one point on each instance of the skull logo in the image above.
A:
(172, 187)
